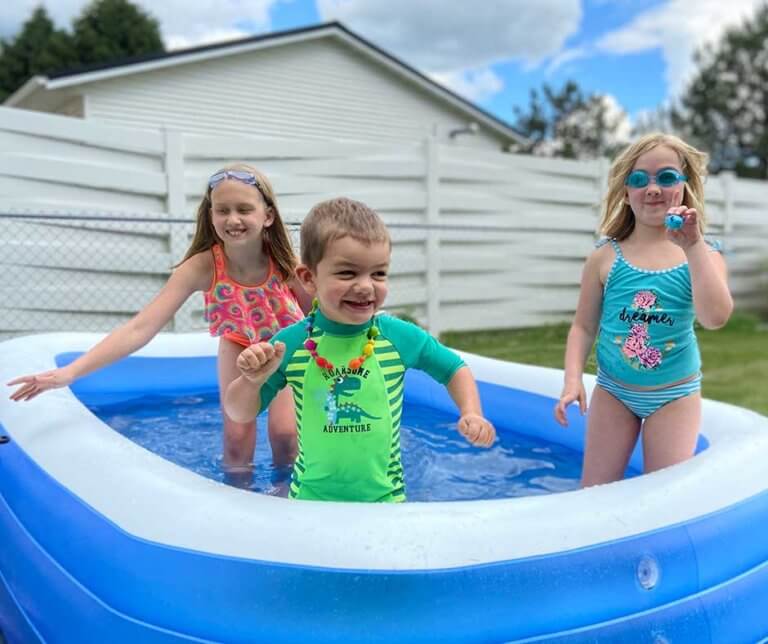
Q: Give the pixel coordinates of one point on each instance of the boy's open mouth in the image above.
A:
(361, 306)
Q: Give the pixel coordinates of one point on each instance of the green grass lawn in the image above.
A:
(735, 358)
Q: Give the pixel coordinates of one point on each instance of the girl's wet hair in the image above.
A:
(617, 219)
(276, 240)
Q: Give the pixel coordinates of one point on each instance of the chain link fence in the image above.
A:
(94, 271)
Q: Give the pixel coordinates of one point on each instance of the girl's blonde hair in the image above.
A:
(617, 220)
(276, 240)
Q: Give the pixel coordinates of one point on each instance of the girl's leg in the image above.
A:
(239, 439)
(612, 432)
(669, 433)
(282, 428)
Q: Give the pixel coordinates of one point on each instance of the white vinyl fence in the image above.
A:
(92, 217)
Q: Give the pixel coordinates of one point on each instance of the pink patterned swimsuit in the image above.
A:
(247, 314)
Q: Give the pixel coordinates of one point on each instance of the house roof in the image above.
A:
(139, 64)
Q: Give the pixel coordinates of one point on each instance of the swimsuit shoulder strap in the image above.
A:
(219, 263)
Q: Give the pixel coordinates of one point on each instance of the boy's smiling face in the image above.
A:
(351, 281)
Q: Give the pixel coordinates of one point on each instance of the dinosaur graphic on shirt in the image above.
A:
(338, 410)
(353, 412)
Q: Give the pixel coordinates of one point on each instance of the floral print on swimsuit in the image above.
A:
(636, 347)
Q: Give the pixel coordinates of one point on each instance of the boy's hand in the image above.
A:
(36, 384)
(259, 361)
(572, 392)
(477, 430)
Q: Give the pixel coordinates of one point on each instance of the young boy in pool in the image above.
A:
(346, 365)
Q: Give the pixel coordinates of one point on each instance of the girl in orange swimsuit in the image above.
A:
(242, 260)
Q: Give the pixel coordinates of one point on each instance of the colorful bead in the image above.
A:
(311, 346)
(674, 222)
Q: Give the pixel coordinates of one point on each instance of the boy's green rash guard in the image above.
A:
(357, 456)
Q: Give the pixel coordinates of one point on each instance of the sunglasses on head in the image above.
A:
(666, 178)
(243, 176)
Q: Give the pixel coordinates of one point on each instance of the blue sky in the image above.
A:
(638, 52)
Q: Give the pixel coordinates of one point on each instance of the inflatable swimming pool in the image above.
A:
(103, 541)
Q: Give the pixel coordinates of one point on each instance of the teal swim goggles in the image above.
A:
(665, 178)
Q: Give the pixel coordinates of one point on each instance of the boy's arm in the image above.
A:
(472, 425)
(420, 350)
(242, 400)
(463, 390)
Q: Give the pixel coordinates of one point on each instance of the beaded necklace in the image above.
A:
(331, 406)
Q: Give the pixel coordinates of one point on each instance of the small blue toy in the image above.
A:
(673, 222)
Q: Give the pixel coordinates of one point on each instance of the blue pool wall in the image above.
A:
(80, 568)
(68, 572)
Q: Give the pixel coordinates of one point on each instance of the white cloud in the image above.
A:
(181, 41)
(14, 14)
(200, 22)
(678, 29)
(616, 114)
(474, 85)
(456, 43)
(438, 36)
(564, 57)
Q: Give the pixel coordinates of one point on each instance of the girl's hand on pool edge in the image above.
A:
(34, 385)
(477, 430)
(571, 393)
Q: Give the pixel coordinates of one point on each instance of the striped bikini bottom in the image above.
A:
(643, 403)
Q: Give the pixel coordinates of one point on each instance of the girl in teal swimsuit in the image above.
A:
(641, 290)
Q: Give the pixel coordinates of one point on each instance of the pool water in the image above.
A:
(439, 464)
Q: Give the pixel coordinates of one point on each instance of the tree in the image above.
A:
(106, 30)
(724, 109)
(113, 29)
(568, 124)
(37, 49)
(658, 120)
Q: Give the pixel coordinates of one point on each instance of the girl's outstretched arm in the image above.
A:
(582, 333)
(193, 275)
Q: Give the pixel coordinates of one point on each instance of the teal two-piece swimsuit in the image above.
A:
(646, 335)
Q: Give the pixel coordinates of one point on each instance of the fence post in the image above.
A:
(727, 181)
(175, 205)
(432, 246)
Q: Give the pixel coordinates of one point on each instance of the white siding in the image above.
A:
(317, 89)
(74, 106)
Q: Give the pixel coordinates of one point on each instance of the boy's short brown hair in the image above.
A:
(336, 218)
